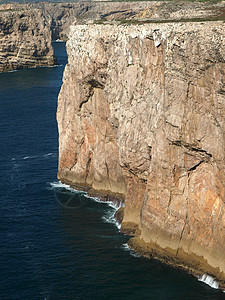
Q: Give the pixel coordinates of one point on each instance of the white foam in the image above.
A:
(109, 218)
(49, 154)
(126, 247)
(59, 184)
(109, 215)
(92, 198)
(54, 66)
(209, 280)
(58, 41)
(29, 157)
(112, 204)
(35, 156)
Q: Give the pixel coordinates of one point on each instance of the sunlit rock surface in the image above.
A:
(25, 40)
(141, 117)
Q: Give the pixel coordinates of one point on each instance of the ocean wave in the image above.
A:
(70, 202)
(29, 157)
(12, 71)
(54, 66)
(126, 247)
(114, 205)
(109, 218)
(51, 154)
(209, 280)
(92, 198)
(60, 185)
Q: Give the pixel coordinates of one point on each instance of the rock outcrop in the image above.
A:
(62, 15)
(141, 118)
(25, 40)
(26, 30)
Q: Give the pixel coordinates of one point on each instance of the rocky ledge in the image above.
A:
(25, 40)
(26, 30)
(141, 119)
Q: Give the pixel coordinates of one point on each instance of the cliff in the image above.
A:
(62, 15)
(25, 40)
(26, 30)
(141, 119)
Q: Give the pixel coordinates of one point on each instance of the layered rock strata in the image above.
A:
(141, 117)
(60, 16)
(26, 30)
(25, 40)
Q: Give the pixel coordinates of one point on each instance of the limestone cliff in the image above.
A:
(26, 30)
(141, 117)
(25, 40)
(62, 15)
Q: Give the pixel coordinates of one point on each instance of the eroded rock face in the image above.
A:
(26, 30)
(62, 15)
(141, 115)
(25, 40)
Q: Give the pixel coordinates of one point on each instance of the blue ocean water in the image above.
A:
(56, 243)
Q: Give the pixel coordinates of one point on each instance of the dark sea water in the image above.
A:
(56, 243)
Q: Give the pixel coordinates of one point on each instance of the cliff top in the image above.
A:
(129, 12)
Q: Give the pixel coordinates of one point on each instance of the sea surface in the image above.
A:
(56, 243)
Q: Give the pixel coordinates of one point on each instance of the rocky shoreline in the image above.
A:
(140, 114)
(191, 263)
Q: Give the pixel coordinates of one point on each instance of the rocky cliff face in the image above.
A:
(25, 40)
(26, 30)
(141, 118)
(62, 15)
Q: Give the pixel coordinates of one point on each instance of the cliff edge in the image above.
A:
(25, 40)
(141, 119)
(26, 30)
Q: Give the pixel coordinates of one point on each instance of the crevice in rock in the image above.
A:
(95, 84)
(186, 218)
(175, 126)
(127, 168)
(168, 207)
(87, 168)
(107, 169)
(91, 92)
(182, 232)
(195, 166)
(203, 153)
(149, 37)
(150, 152)
(81, 104)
